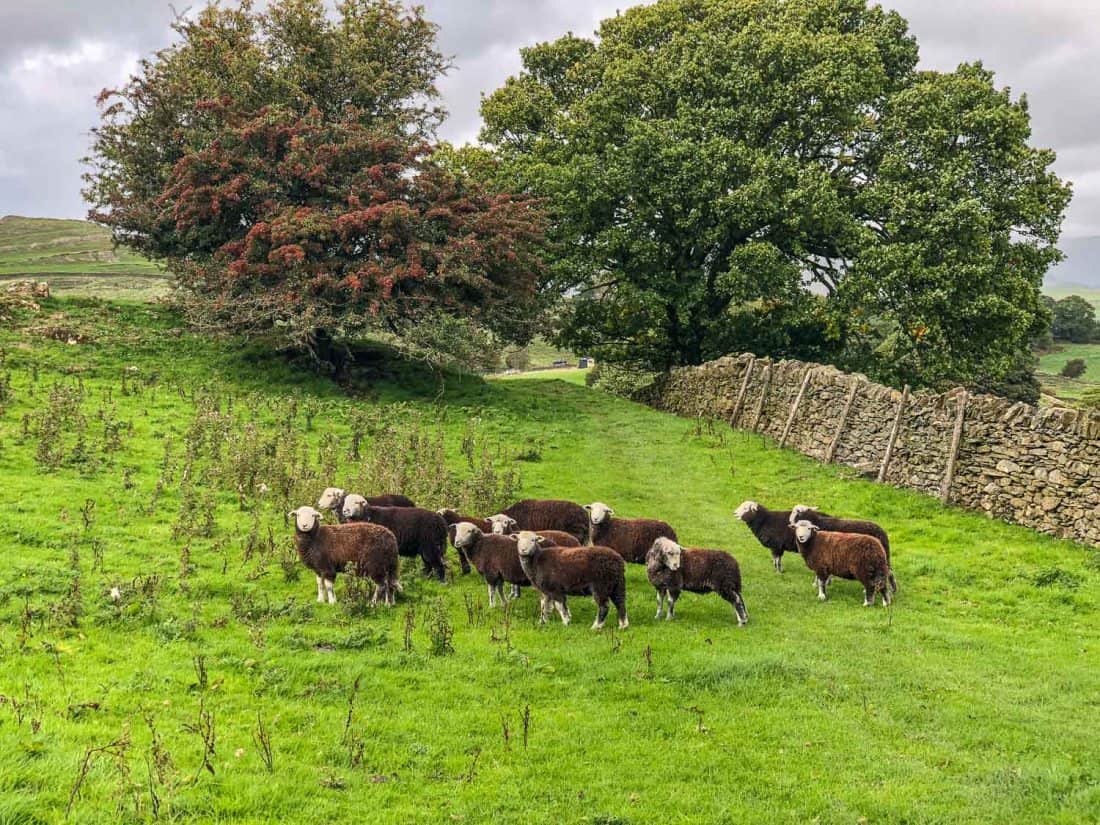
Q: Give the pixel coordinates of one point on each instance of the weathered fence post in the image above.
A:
(763, 397)
(741, 395)
(831, 454)
(953, 455)
(893, 434)
(795, 406)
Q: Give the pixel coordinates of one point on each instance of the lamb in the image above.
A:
(329, 549)
(334, 498)
(848, 555)
(771, 529)
(560, 572)
(672, 569)
(631, 538)
(549, 514)
(494, 556)
(832, 524)
(419, 532)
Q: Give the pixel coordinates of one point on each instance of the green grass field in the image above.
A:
(147, 652)
(1050, 365)
(76, 258)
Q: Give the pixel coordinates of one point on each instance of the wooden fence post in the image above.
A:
(893, 434)
(831, 454)
(741, 395)
(953, 455)
(794, 407)
(763, 397)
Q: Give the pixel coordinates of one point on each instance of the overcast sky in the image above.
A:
(55, 55)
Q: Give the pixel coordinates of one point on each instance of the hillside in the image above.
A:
(76, 258)
(1081, 266)
(157, 629)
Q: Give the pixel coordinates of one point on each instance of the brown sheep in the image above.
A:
(833, 524)
(631, 538)
(559, 538)
(672, 569)
(495, 558)
(549, 514)
(367, 550)
(560, 572)
(847, 555)
(453, 517)
(334, 498)
(771, 528)
(419, 532)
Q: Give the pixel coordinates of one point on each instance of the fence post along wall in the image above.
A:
(1039, 467)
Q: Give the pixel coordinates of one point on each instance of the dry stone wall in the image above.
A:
(1038, 467)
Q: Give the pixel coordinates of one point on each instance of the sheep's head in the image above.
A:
(447, 514)
(330, 498)
(798, 511)
(466, 534)
(746, 510)
(502, 524)
(598, 512)
(804, 530)
(355, 506)
(529, 543)
(671, 553)
(306, 519)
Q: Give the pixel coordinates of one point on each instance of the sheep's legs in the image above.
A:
(660, 603)
(492, 595)
(515, 591)
(320, 589)
(821, 585)
(739, 610)
(601, 614)
(777, 563)
(331, 590)
(463, 562)
(544, 608)
(563, 610)
(670, 614)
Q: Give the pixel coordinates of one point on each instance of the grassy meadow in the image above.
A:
(1050, 367)
(162, 656)
(76, 258)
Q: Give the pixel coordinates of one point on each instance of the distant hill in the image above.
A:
(76, 258)
(1081, 266)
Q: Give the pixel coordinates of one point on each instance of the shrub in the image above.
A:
(1074, 368)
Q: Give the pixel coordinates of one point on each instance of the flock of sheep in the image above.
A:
(563, 549)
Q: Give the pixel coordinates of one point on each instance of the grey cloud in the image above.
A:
(1048, 49)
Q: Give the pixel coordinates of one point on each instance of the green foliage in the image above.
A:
(707, 160)
(1074, 319)
(280, 163)
(1074, 368)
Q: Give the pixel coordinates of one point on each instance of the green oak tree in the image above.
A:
(282, 163)
(778, 176)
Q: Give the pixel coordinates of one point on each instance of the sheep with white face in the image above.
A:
(503, 525)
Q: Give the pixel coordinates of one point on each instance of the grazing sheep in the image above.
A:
(631, 538)
(419, 532)
(329, 549)
(672, 569)
(560, 572)
(549, 514)
(847, 555)
(802, 512)
(495, 558)
(334, 498)
(771, 529)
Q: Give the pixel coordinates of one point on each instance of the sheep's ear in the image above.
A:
(513, 536)
(588, 507)
(610, 512)
(292, 514)
(542, 539)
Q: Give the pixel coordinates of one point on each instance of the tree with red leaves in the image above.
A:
(281, 163)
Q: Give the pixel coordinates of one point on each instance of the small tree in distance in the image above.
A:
(281, 163)
(1074, 368)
